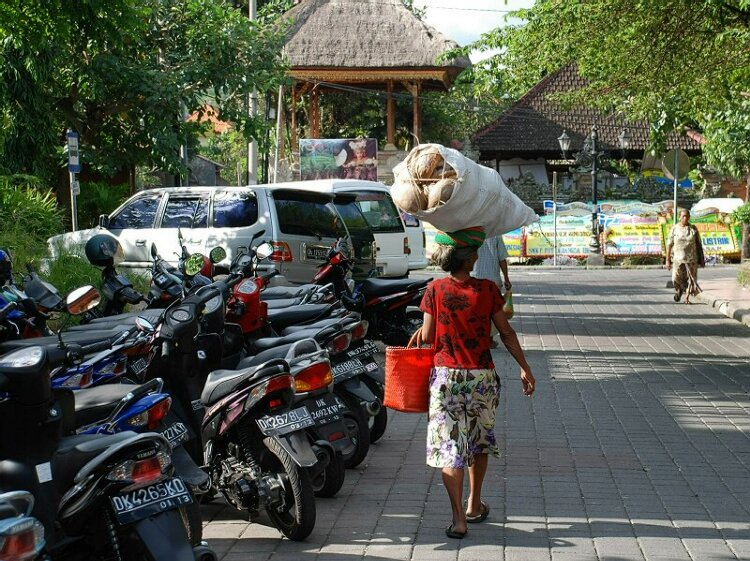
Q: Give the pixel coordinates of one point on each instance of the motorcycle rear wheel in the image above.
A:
(355, 420)
(331, 480)
(298, 520)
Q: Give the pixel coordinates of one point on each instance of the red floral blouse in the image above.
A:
(463, 313)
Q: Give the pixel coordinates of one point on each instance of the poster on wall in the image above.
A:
(340, 158)
(633, 239)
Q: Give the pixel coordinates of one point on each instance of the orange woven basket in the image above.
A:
(407, 376)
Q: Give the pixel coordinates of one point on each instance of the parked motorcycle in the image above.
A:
(98, 497)
(21, 535)
(391, 307)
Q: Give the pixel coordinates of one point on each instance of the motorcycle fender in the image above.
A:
(342, 445)
(186, 468)
(378, 375)
(297, 445)
(165, 538)
(360, 391)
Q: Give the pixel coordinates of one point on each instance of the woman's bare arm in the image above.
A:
(428, 328)
(510, 340)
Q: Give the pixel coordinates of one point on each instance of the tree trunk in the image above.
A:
(746, 226)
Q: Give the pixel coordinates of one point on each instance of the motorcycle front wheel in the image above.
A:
(297, 519)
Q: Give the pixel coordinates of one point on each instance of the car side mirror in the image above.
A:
(104, 221)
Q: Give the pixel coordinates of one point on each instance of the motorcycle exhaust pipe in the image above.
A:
(372, 407)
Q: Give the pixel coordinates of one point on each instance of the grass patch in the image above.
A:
(743, 276)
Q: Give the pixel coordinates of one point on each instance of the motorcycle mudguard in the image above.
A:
(165, 538)
(185, 467)
(342, 445)
(359, 390)
(378, 375)
(297, 445)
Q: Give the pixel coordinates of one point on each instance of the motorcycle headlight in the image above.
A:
(213, 304)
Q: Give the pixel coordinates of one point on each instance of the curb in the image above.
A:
(726, 308)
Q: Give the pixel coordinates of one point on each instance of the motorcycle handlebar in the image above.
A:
(166, 348)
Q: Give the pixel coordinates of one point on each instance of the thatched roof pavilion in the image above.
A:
(375, 44)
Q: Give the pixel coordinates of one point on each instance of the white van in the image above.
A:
(380, 212)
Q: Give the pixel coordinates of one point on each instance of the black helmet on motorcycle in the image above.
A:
(6, 267)
(103, 250)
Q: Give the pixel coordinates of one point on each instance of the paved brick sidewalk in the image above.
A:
(635, 447)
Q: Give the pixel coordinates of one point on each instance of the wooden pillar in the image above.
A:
(416, 129)
(315, 113)
(293, 119)
(391, 117)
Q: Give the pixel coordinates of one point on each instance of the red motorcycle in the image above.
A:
(391, 307)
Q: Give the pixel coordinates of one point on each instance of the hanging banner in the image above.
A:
(512, 241)
(717, 238)
(573, 237)
(634, 239)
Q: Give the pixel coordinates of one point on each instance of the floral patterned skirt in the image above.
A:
(685, 278)
(461, 416)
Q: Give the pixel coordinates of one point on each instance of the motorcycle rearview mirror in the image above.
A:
(82, 300)
(217, 254)
(264, 250)
(256, 235)
(144, 325)
(194, 264)
(154, 253)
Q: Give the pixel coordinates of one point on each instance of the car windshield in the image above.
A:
(380, 212)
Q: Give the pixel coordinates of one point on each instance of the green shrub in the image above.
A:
(99, 198)
(742, 214)
(24, 205)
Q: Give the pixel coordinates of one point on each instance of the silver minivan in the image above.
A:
(301, 225)
(384, 219)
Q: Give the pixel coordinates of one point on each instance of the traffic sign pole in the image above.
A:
(74, 166)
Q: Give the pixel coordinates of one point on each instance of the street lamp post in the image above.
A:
(590, 153)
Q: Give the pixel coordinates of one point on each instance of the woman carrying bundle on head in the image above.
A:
(464, 387)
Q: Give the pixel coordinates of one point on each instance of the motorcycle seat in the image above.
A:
(317, 333)
(295, 315)
(78, 337)
(74, 452)
(221, 383)
(386, 287)
(278, 303)
(95, 404)
(281, 292)
(328, 322)
(123, 321)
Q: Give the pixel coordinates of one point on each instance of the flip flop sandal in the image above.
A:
(451, 533)
(480, 517)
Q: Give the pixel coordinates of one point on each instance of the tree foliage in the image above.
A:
(675, 63)
(124, 74)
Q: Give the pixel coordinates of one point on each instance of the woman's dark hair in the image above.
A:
(452, 259)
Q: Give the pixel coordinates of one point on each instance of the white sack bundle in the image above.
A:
(445, 188)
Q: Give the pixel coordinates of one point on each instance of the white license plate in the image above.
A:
(316, 253)
(368, 348)
(287, 422)
(139, 366)
(145, 502)
(347, 366)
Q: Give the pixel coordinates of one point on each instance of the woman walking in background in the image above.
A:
(464, 387)
(685, 239)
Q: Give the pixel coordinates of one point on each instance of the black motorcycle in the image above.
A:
(98, 497)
